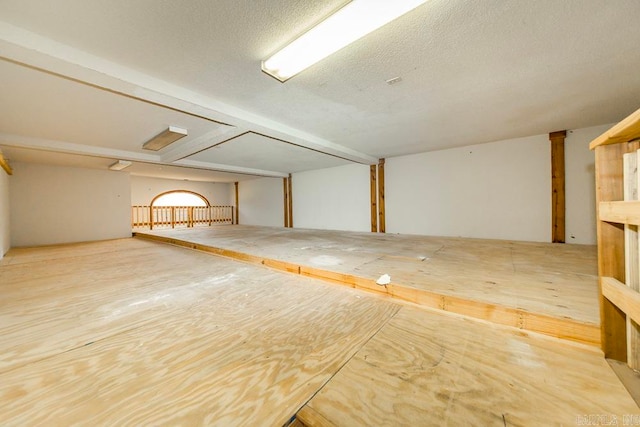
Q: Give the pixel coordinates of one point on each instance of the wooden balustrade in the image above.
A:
(179, 216)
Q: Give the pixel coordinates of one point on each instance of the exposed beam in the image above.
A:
(285, 197)
(237, 210)
(71, 148)
(381, 209)
(374, 198)
(227, 168)
(30, 49)
(290, 200)
(557, 186)
(88, 150)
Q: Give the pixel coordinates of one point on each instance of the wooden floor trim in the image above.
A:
(563, 328)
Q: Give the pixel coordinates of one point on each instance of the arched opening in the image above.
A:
(179, 208)
(180, 198)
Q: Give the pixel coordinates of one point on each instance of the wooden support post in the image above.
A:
(5, 164)
(285, 193)
(237, 206)
(374, 199)
(381, 214)
(611, 262)
(150, 217)
(290, 200)
(557, 186)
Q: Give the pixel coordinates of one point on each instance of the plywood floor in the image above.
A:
(132, 332)
(553, 279)
(544, 288)
(431, 369)
(136, 333)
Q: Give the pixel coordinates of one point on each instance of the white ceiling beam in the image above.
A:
(20, 141)
(203, 142)
(228, 168)
(27, 48)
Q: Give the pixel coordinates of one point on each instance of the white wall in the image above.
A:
(5, 231)
(261, 202)
(52, 204)
(144, 189)
(332, 199)
(580, 185)
(499, 190)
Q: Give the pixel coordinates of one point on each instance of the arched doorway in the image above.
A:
(179, 208)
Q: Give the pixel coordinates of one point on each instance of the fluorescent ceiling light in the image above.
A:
(119, 165)
(165, 138)
(355, 20)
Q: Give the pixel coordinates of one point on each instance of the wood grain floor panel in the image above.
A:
(424, 369)
(543, 278)
(223, 343)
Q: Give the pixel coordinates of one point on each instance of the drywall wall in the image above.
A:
(336, 198)
(261, 202)
(53, 204)
(144, 189)
(499, 190)
(5, 231)
(580, 185)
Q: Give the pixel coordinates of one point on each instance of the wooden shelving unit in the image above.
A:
(617, 184)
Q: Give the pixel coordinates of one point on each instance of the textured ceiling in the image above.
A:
(472, 72)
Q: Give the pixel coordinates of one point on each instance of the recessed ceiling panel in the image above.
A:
(26, 155)
(256, 151)
(40, 105)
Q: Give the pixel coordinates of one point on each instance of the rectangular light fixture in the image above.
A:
(355, 20)
(119, 165)
(165, 138)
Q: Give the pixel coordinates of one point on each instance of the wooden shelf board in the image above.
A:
(620, 212)
(625, 298)
(626, 130)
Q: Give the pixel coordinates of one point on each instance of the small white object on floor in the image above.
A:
(384, 280)
(422, 258)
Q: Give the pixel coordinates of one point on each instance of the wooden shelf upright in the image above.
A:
(617, 184)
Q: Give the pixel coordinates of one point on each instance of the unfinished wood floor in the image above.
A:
(131, 332)
(558, 281)
(136, 333)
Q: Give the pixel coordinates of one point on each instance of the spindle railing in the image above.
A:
(179, 216)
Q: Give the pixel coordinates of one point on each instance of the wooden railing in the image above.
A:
(179, 216)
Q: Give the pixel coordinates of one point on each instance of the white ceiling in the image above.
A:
(114, 72)
(260, 152)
